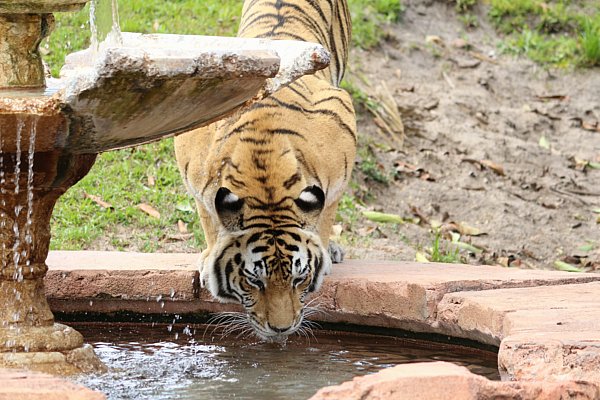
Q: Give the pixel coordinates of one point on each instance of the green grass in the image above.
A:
(369, 165)
(369, 18)
(121, 178)
(590, 41)
(348, 212)
(558, 33)
(465, 5)
(443, 252)
(557, 50)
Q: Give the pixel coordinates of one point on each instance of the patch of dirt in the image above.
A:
(494, 142)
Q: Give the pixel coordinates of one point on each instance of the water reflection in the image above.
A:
(150, 363)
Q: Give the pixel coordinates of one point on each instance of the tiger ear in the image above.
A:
(311, 199)
(228, 206)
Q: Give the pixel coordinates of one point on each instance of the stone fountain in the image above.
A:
(149, 87)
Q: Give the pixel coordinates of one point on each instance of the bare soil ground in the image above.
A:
(492, 142)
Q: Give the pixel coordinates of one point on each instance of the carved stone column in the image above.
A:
(28, 335)
(20, 60)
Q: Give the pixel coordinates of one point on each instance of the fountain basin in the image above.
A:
(162, 362)
(153, 86)
(540, 346)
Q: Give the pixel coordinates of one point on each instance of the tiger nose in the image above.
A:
(279, 330)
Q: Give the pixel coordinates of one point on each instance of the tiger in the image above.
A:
(268, 180)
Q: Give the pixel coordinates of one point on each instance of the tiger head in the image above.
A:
(268, 256)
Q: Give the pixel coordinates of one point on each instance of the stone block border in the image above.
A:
(545, 323)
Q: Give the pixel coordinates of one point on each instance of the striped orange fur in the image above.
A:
(267, 181)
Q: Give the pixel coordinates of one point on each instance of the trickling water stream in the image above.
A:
(18, 207)
(104, 23)
(152, 363)
(11, 181)
(30, 155)
(2, 191)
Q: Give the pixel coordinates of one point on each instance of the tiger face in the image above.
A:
(268, 257)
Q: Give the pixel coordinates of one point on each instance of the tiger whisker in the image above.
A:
(307, 326)
(314, 299)
(302, 331)
(232, 328)
(245, 331)
(224, 320)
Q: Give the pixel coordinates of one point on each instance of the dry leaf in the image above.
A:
(182, 227)
(98, 200)
(434, 39)
(420, 257)
(412, 170)
(462, 228)
(151, 180)
(180, 238)
(544, 143)
(467, 230)
(422, 217)
(497, 168)
(148, 209)
(380, 217)
(560, 97)
(563, 266)
(336, 231)
(503, 261)
(546, 114)
(482, 57)
(468, 247)
(591, 126)
(578, 164)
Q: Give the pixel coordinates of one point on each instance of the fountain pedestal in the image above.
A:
(28, 335)
(20, 60)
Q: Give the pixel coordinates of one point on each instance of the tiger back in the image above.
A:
(267, 181)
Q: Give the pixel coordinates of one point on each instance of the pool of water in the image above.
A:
(194, 362)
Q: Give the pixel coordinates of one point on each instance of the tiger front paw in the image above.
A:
(336, 252)
(202, 269)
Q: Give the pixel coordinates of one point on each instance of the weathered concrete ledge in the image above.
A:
(27, 385)
(545, 323)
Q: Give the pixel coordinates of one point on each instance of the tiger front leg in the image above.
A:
(210, 236)
(336, 252)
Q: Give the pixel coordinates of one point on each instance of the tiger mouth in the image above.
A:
(269, 334)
